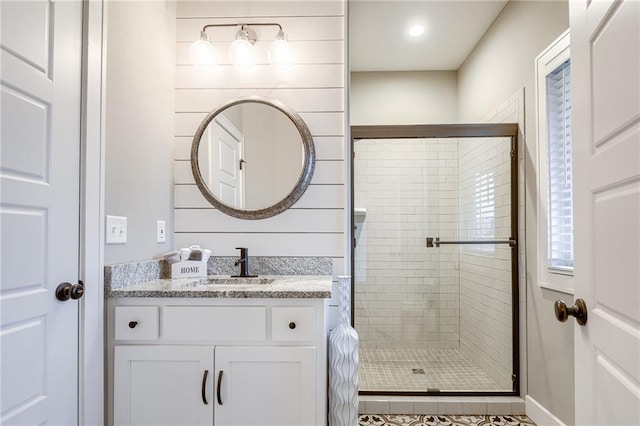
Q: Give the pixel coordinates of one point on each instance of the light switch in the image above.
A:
(161, 231)
(116, 230)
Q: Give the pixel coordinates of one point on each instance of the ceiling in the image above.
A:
(379, 41)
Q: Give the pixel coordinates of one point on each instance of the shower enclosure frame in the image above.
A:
(442, 131)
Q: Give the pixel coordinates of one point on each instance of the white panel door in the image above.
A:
(226, 176)
(265, 386)
(163, 385)
(40, 99)
(605, 55)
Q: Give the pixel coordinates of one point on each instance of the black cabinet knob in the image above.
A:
(292, 325)
(132, 324)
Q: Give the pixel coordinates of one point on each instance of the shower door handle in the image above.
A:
(435, 242)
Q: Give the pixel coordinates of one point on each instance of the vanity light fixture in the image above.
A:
(202, 52)
(281, 53)
(241, 51)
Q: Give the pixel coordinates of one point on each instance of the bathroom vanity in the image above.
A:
(219, 351)
(223, 350)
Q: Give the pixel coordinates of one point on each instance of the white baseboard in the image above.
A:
(539, 414)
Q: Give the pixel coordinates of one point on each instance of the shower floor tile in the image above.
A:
(421, 370)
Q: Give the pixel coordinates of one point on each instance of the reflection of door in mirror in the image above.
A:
(222, 171)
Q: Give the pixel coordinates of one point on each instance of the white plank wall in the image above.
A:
(259, 8)
(300, 100)
(325, 173)
(305, 52)
(313, 87)
(319, 123)
(316, 197)
(327, 148)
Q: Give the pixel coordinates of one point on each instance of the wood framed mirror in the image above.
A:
(252, 157)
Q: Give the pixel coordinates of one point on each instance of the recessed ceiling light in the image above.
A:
(416, 30)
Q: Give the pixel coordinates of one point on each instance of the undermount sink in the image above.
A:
(237, 280)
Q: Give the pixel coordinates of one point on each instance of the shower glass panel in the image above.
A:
(434, 319)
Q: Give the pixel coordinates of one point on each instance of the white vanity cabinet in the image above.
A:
(179, 361)
(265, 385)
(159, 385)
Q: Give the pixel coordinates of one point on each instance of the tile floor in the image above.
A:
(420, 370)
(449, 420)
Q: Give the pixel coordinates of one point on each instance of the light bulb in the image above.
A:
(202, 52)
(241, 50)
(416, 30)
(281, 52)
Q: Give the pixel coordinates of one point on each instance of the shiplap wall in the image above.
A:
(313, 87)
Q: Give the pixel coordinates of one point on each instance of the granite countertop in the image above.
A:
(281, 286)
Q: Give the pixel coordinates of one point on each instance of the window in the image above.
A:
(555, 174)
(559, 173)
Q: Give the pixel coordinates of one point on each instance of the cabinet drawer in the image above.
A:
(215, 323)
(289, 324)
(136, 322)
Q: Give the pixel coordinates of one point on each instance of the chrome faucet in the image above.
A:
(244, 264)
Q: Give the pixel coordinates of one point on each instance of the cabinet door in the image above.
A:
(265, 386)
(163, 385)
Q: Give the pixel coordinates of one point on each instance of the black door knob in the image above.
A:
(66, 291)
(133, 324)
(77, 291)
(292, 325)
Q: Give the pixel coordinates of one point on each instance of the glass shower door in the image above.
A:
(433, 315)
(398, 286)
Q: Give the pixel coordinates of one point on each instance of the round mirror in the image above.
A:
(252, 158)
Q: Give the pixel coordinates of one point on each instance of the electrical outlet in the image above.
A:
(116, 230)
(161, 231)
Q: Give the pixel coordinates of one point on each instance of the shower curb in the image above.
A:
(498, 405)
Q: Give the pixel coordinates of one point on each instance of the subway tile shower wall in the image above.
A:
(313, 87)
(407, 295)
(485, 270)
(512, 111)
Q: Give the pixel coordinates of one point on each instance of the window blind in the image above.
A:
(560, 180)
